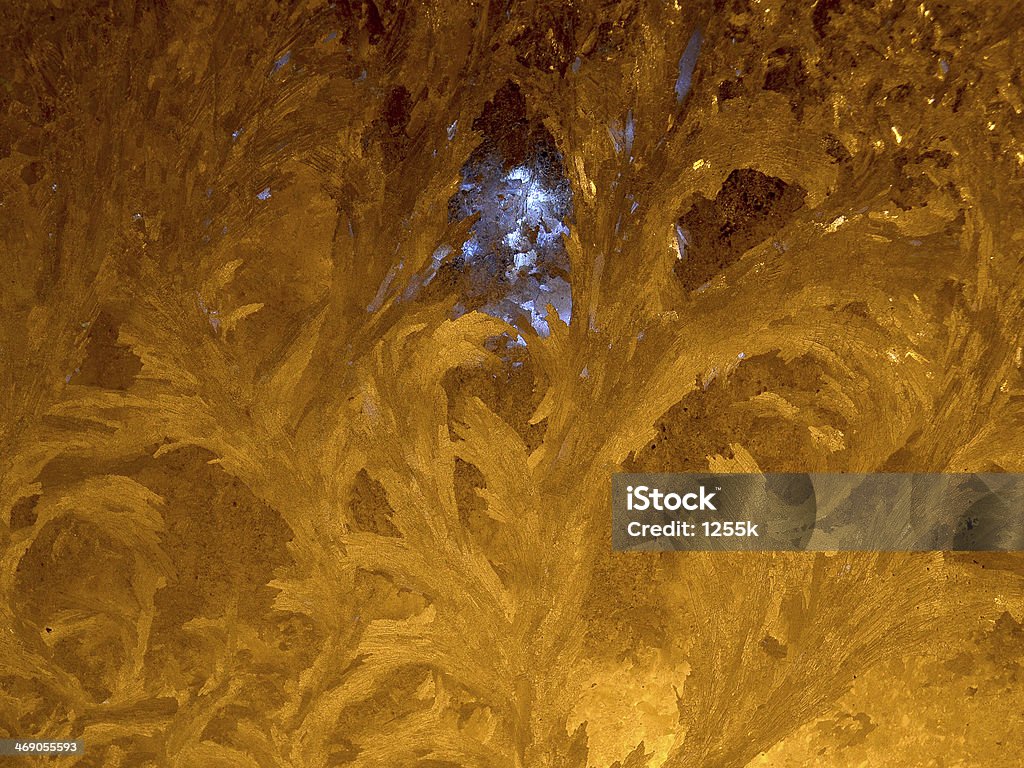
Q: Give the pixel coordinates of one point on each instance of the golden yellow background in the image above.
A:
(263, 504)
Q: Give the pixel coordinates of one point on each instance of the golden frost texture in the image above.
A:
(325, 324)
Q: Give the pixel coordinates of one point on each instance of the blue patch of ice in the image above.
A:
(687, 63)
